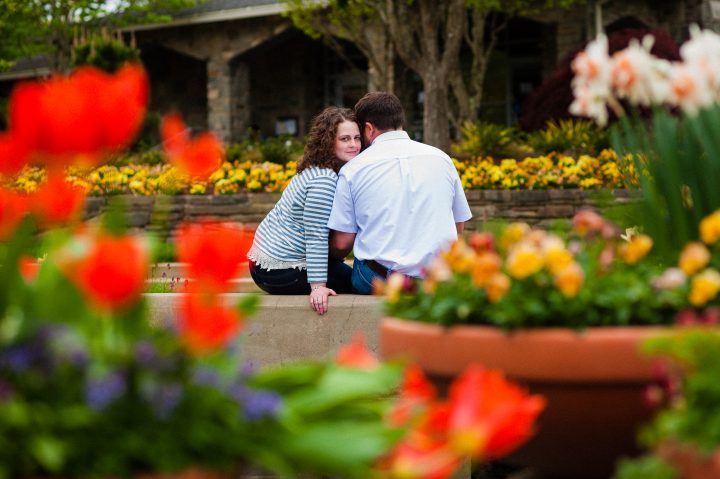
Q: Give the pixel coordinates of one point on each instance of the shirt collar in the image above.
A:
(392, 135)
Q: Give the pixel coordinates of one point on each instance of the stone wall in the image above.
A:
(535, 207)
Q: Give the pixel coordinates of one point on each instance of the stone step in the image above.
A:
(285, 329)
(239, 285)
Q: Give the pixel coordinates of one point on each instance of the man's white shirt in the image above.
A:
(402, 199)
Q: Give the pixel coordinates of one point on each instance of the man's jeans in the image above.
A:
(362, 277)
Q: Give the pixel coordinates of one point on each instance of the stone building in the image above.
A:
(235, 65)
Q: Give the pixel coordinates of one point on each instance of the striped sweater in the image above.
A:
(295, 231)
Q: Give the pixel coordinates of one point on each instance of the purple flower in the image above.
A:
(205, 376)
(163, 397)
(18, 358)
(99, 392)
(256, 403)
(145, 353)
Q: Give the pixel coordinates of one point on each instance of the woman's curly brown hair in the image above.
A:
(320, 146)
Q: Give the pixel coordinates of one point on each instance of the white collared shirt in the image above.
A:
(402, 199)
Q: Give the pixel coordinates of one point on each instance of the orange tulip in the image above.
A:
(356, 355)
(205, 323)
(489, 417)
(112, 273)
(57, 202)
(80, 118)
(197, 157)
(214, 252)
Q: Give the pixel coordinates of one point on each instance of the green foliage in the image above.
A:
(279, 150)
(29, 27)
(645, 467)
(106, 54)
(486, 139)
(570, 136)
(694, 418)
(678, 159)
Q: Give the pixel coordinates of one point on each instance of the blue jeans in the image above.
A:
(362, 277)
(295, 281)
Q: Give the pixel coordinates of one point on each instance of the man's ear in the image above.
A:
(369, 130)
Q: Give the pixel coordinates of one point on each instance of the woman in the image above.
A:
(290, 251)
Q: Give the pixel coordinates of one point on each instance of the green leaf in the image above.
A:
(49, 452)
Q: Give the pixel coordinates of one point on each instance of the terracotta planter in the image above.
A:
(689, 462)
(594, 382)
(193, 473)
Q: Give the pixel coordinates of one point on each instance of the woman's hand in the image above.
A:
(319, 297)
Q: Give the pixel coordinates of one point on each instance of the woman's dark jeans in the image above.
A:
(294, 280)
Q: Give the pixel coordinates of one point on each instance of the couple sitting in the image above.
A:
(396, 204)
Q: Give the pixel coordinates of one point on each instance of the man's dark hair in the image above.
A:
(380, 108)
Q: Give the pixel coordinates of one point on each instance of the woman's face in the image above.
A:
(347, 141)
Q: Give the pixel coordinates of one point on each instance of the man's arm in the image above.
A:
(460, 227)
(341, 243)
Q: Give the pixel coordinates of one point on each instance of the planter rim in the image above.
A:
(549, 355)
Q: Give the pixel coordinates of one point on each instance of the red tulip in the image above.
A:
(489, 417)
(356, 355)
(112, 273)
(79, 118)
(57, 202)
(13, 208)
(205, 323)
(415, 395)
(197, 157)
(425, 453)
(214, 252)
(13, 155)
(29, 268)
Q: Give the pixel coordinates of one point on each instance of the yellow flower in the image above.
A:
(460, 257)
(197, 189)
(570, 279)
(555, 255)
(632, 251)
(523, 260)
(710, 228)
(254, 185)
(704, 287)
(694, 257)
(513, 233)
(486, 265)
(497, 287)
(391, 288)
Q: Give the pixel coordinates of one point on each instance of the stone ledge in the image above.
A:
(285, 329)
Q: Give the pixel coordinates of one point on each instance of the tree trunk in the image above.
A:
(436, 129)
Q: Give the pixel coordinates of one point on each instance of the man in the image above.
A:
(399, 201)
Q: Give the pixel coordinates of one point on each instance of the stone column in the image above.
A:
(240, 100)
(219, 82)
(710, 14)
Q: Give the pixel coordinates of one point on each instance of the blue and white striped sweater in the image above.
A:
(295, 230)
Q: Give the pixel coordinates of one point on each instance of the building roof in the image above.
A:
(218, 11)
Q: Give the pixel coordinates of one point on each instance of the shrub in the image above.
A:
(569, 136)
(485, 139)
(105, 53)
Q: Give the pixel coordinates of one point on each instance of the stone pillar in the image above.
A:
(710, 15)
(219, 81)
(240, 101)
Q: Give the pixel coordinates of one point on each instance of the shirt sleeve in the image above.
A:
(342, 216)
(461, 208)
(318, 203)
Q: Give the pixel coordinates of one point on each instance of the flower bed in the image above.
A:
(552, 171)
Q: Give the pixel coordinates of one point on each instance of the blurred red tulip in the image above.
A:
(425, 453)
(13, 155)
(29, 268)
(205, 323)
(13, 207)
(80, 118)
(214, 252)
(198, 157)
(356, 355)
(489, 417)
(112, 273)
(57, 202)
(415, 395)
